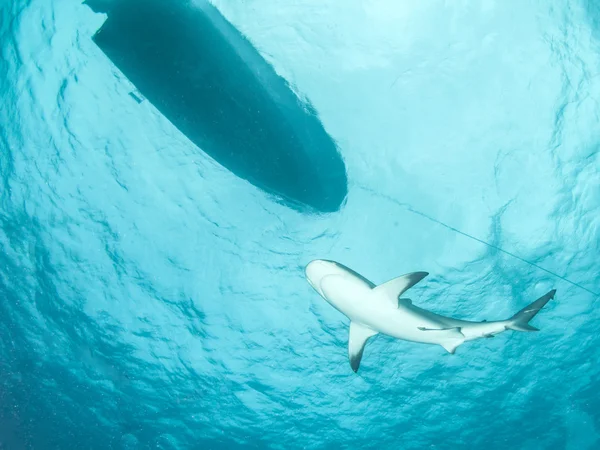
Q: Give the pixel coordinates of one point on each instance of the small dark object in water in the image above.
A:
(138, 98)
(204, 76)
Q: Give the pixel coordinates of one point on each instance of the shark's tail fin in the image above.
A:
(520, 321)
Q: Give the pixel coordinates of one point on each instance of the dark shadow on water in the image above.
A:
(206, 78)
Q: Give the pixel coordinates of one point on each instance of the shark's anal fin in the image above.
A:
(395, 288)
(357, 338)
(449, 338)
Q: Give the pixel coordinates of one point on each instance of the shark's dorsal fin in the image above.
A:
(395, 288)
(357, 338)
(406, 302)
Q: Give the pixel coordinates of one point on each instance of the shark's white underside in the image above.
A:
(379, 309)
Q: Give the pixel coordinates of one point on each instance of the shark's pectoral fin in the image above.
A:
(449, 338)
(395, 288)
(358, 336)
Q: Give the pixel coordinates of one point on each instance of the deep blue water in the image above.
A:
(149, 298)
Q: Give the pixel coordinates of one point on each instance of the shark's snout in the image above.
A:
(316, 270)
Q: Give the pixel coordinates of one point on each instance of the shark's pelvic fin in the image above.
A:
(449, 338)
(450, 346)
(358, 336)
(520, 321)
(396, 287)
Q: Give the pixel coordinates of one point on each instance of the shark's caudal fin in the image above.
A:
(358, 336)
(520, 321)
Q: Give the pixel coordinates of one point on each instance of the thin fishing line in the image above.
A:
(495, 247)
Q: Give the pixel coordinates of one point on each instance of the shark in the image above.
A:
(374, 309)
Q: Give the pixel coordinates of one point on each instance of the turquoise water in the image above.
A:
(149, 298)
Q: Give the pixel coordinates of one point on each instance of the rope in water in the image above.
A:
(495, 247)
